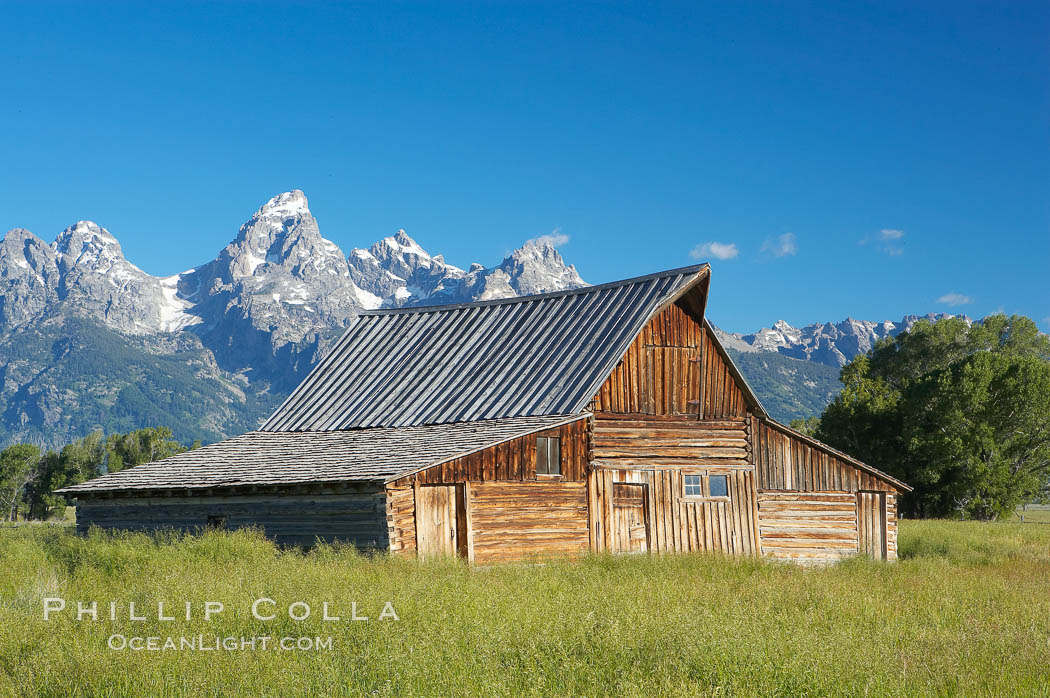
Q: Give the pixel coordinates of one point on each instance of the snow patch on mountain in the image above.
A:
(173, 315)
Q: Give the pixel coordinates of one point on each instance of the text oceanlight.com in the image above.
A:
(203, 643)
(262, 609)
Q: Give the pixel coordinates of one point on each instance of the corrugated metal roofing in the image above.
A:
(534, 355)
(286, 458)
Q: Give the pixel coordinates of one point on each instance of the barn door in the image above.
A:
(871, 524)
(630, 518)
(436, 521)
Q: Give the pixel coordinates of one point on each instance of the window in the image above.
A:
(717, 486)
(548, 455)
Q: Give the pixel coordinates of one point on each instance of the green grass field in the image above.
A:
(965, 612)
(1035, 513)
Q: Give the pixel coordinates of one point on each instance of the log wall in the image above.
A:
(645, 441)
(505, 499)
(289, 519)
(520, 520)
(401, 519)
(808, 526)
(891, 527)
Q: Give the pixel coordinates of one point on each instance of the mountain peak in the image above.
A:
(542, 243)
(18, 241)
(401, 243)
(283, 219)
(539, 249)
(86, 242)
(288, 203)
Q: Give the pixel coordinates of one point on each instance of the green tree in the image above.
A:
(962, 413)
(18, 470)
(807, 426)
(90, 457)
(79, 461)
(141, 446)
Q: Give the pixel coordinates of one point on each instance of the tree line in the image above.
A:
(959, 411)
(29, 476)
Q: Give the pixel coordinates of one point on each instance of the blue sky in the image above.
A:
(864, 159)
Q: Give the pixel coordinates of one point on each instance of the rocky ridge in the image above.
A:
(833, 344)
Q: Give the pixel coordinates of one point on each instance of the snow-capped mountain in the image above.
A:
(252, 320)
(828, 343)
(85, 267)
(396, 271)
(279, 275)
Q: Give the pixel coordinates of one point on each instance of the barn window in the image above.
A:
(718, 486)
(548, 455)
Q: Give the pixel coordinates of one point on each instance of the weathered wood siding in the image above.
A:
(678, 523)
(356, 517)
(808, 526)
(513, 460)
(891, 526)
(785, 462)
(644, 441)
(660, 373)
(658, 451)
(674, 406)
(519, 520)
(401, 519)
(509, 512)
(721, 395)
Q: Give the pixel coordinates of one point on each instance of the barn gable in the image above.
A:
(676, 366)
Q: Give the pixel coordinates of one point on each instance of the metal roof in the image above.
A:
(288, 458)
(534, 355)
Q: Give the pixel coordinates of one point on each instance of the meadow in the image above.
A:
(966, 611)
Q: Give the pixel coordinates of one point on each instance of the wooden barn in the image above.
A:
(605, 419)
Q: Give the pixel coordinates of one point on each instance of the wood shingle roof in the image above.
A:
(288, 458)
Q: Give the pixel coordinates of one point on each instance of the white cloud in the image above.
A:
(954, 299)
(718, 250)
(554, 238)
(781, 247)
(884, 237)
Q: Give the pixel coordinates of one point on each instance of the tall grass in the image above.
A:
(965, 612)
